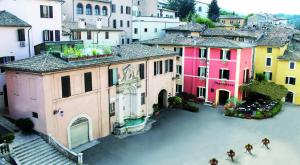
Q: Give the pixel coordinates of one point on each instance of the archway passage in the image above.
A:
(289, 97)
(162, 99)
(223, 97)
(79, 132)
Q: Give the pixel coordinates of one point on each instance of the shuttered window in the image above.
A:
(88, 82)
(21, 35)
(142, 71)
(46, 11)
(112, 76)
(57, 35)
(65, 86)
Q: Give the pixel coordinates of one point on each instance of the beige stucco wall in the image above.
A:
(94, 105)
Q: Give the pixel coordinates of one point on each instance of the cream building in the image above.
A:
(79, 101)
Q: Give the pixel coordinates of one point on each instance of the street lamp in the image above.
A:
(213, 161)
(266, 142)
(249, 148)
(231, 154)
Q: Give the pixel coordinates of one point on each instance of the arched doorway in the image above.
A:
(223, 97)
(79, 132)
(162, 99)
(289, 97)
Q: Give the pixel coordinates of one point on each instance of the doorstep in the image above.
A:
(86, 146)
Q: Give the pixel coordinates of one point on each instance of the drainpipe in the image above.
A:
(73, 11)
(109, 101)
(29, 51)
(147, 79)
(110, 13)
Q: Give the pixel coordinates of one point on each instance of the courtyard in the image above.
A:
(185, 138)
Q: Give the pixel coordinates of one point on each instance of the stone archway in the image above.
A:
(79, 131)
(162, 99)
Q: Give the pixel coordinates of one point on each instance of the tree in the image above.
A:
(214, 11)
(182, 7)
(209, 23)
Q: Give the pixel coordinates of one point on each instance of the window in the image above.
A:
(79, 8)
(7, 59)
(35, 115)
(48, 35)
(97, 10)
(142, 71)
(268, 76)
(246, 78)
(57, 35)
(128, 10)
(121, 23)
(178, 88)
(113, 76)
(104, 11)
(269, 50)
(225, 54)
(175, 49)
(202, 53)
(231, 22)
(106, 35)
(201, 92)
(65, 86)
(180, 52)
(128, 41)
(143, 98)
(155, 30)
(158, 67)
(88, 82)
(168, 66)
(88, 9)
(128, 24)
(113, 8)
(202, 71)
(199, 8)
(179, 69)
(136, 30)
(290, 80)
(112, 109)
(146, 30)
(224, 74)
(114, 23)
(123, 41)
(292, 65)
(77, 35)
(46, 11)
(121, 9)
(88, 35)
(269, 61)
(21, 35)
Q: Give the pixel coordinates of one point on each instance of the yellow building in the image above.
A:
(232, 20)
(266, 53)
(288, 73)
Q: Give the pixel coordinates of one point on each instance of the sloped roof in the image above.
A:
(218, 32)
(9, 20)
(230, 17)
(47, 63)
(179, 40)
(73, 26)
(292, 53)
(191, 27)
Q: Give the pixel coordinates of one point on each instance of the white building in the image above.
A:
(201, 8)
(91, 35)
(43, 15)
(121, 18)
(145, 28)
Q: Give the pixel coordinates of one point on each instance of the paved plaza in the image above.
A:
(185, 138)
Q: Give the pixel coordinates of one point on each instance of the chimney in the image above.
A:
(99, 23)
(81, 24)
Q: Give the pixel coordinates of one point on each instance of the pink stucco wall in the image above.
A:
(192, 62)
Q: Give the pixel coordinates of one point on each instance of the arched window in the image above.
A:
(88, 9)
(104, 11)
(97, 10)
(79, 8)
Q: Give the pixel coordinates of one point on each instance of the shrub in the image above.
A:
(258, 115)
(25, 124)
(9, 137)
(276, 109)
(230, 112)
(175, 100)
(191, 106)
(186, 96)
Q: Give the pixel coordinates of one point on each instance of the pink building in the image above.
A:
(79, 101)
(213, 69)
